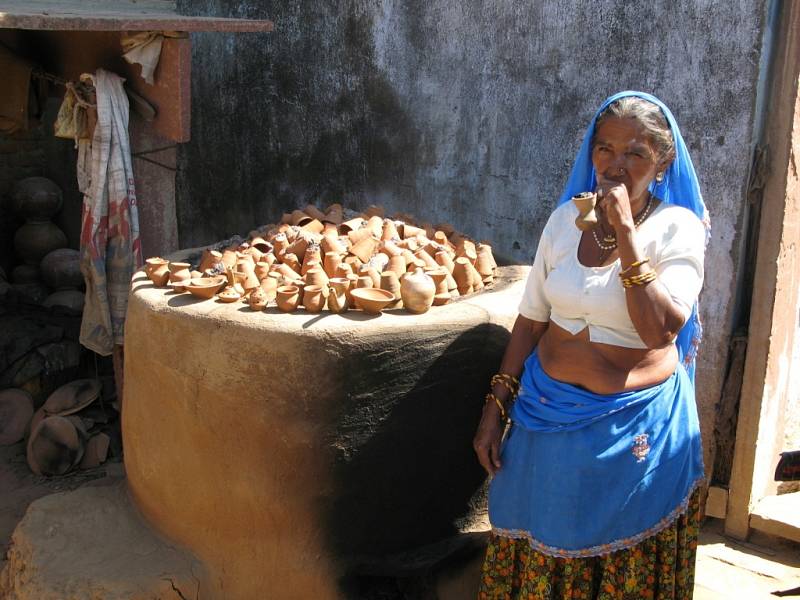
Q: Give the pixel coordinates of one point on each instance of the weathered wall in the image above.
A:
(464, 111)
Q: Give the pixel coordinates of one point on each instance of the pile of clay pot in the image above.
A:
(317, 259)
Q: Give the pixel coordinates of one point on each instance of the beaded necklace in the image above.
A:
(609, 242)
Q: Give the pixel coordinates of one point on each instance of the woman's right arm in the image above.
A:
(524, 336)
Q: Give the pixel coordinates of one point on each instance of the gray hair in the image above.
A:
(649, 116)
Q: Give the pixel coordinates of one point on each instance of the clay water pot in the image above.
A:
(391, 283)
(372, 300)
(157, 270)
(374, 210)
(61, 269)
(291, 261)
(439, 277)
(331, 261)
(389, 231)
(484, 267)
(364, 249)
(337, 294)
(36, 198)
(313, 298)
(36, 239)
(313, 212)
(375, 225)
(254, 253)
(257, 299)
(587, 218)
(205, 287)
(351, 225)
(397, 264)
(317, 277)
(444, 259)
(343, 270)
(179, 272)
(269, 284)
(372, 273)
(96, 451)
(462, 273)
(299, 218)
(287, 297)
(209, 260)
(314, 226)
(417, 290)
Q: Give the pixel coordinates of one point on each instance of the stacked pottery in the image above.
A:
(310, 248)
(61, 272)
(37, 200)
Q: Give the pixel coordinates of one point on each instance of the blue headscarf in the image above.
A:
(679, 186)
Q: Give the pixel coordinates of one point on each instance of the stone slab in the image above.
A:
(91, 543)
(778, 515)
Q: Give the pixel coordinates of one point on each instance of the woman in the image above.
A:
(594, 492)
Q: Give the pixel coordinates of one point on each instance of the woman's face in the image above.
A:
(623, 153)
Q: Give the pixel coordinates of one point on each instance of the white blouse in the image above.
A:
(562, 290)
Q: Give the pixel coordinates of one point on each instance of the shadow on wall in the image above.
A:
(406, 474)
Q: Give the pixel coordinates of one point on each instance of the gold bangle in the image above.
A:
(489, 397)
(509, 381)
(633, 265)
(643, 279)
(511, 389)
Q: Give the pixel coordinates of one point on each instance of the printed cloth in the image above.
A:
(585, 474)
(110, 246)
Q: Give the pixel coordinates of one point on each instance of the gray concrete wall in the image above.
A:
(465, 111)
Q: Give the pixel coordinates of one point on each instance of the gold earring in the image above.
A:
(660, 176)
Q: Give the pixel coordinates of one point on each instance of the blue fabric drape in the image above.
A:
(679, 187)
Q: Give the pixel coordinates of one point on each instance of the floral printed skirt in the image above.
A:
(659, 568)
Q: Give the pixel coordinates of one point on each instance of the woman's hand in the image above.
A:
(615, 204)
(487, 439)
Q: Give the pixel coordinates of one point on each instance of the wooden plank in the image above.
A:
(72, 15)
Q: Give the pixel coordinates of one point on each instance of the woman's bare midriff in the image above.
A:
(602, 368)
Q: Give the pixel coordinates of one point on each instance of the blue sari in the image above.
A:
(586, 474)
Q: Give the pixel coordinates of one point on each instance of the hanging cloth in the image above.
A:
(110, 246)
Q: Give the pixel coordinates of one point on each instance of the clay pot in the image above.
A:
(299, 218)
(229, 295)
(262, 270)
(379, 262)
(313, 298)
(36, 198)
(466, 249)
(332, 244)
(205, 287)
(439, 277)
(23, 274)
(462, 273)
(72, 299)
(313, 212)
(157, 270)
(426, 258)
(178, 272)
(279, 244)
(409, 231)
(314, 226)
(61, 269)
(391, 283)
(444, 259)
(389, 231)
(291, 261)
(334, 214)
(337, 294)
(318, 277)
(351, 225)
(343, 270)
(364, 249)
(485, 251)
(286, 271)
(257, 299)
(360, 234)
(375, 225)
(397, 264)
(312, 255)
(417, 290)
(229, 257)
(353, 279)
(269, 284)
(209, 260)
(36, 239)
(364, 281)
(374, 210)
(298, 247)
(475, 278)
(287, 297)
(587, 218)
(354, 262)
(55, 446)
(372, 300)
(96, 451)
(331, 261)
(373, 274)
(263, 245)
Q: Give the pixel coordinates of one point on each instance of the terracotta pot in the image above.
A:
(391, 283)
(390, 248)
(444, 259)
(331, 261)
(389, 231)
(372, 300)
(439, 277)
(299, 218)
(337, 294)
(409, 231)
(417, 290)
(334, 214)
(587, 218)
(318, 277)
(286, 271)
(257, 299)
(354, 262)
(446, 228)
(229, 295)
(209, 260)
(262, 270)
(397, 264)
(36, 198)
(314, 226)
(332, 244)
(372, 273)
(483, 265)
(291, 261)
(157, 270)
(374, 210)
(36, 239)
(462, 273)
(375, 225)
(287, 297)
(467, 249)
(313, 298)
(343, 270)
(179, 272)
(360, 234)
(205, 287)
(351, 225)
(379, 262)
(353, 279)
(313, 212)
(429, 230)
(364, 281)
(475, 279)
(313, 255)
(298, 247)
(279, 243)
(229, 257)
(364, 249)
(263, 245)
(61, 269)
(485, 250)
(248, 280)
(426, 258)
(270, 284)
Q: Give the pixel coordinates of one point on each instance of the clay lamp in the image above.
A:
(372, 300)
(205, 287)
